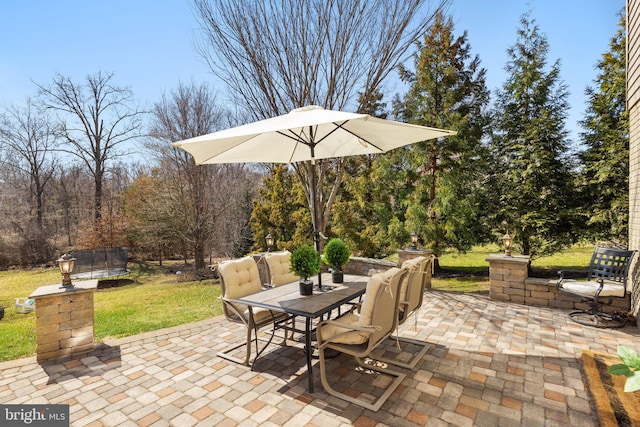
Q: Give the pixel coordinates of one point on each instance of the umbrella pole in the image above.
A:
(316, 232)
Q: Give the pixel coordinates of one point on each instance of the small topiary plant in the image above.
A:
(305, 262)
(336, 254)
(630, 367)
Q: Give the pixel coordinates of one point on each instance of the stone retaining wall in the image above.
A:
(367, 266)
(509, 281)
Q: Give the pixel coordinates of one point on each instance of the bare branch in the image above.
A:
(277, 55)
(96, 118)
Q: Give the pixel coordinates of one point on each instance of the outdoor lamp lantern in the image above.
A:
(507, 241)
(270, 241)
(414, 240)
(66, 263)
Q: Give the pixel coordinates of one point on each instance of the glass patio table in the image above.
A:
(287, 299)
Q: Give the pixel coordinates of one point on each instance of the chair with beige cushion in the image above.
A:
(279, 268)
(606, 280)
(359, 334)
(238, 278)
(418, 278)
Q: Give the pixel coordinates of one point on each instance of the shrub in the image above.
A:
(336, 253)
(305, 261)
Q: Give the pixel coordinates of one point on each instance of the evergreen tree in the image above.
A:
(532, 181)
(282, 211)
(605, 160)
(363, 210)
(442, 194)
(245, 238)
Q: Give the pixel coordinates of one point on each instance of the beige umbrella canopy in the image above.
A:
(306, 134)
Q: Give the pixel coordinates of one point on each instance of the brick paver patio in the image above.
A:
(490, 364)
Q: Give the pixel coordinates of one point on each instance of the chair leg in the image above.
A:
(226, 354)
(596, 319)
(417, 356)
(375, 406)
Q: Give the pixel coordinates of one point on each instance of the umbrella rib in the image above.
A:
(297, 138)
(341, 126)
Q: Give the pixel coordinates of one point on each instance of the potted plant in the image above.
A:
(305, 262)
(336, 255)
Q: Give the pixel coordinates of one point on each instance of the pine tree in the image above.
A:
(447, 90)
(364, 206)
(532, 181)
(606, 157)
(282, 211)
(245, 238)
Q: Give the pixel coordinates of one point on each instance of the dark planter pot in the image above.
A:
(337, 276)
(306, 287)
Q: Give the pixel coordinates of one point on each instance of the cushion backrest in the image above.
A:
(279, 268)
(239, 277)
(413, 280)
(380, 305)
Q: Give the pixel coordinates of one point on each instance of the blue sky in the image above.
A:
(148, 44)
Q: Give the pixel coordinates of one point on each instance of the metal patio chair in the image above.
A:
(238, 278)
(606, 280)
(419, 272)
(359, 334)
(279, 268)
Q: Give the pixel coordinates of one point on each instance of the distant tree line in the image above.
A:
(83, 166)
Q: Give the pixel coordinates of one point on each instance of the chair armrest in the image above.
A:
(559, 282)
(349, 330)
(235, 310)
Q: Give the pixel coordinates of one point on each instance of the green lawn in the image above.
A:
(575, 258)
(150, 299)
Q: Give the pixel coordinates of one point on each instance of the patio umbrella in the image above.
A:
(306, 134)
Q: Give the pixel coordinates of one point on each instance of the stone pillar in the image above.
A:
(405, 254)
(64, 320)
(507, 275)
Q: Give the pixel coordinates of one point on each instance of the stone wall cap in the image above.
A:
(415, 251)
(81, 286)
(515, 259)
(373, 261)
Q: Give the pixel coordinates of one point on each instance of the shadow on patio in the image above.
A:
(489, 363)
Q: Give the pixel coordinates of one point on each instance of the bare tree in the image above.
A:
(27, 140)
(28, 136)
(97, 118)
(277, 55)
(189, 190)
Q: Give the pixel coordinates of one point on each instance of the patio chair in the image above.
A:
(419, 272)
(239, 278)
(25, 305)
(279, 268)
(359, 334)
(606, 279)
